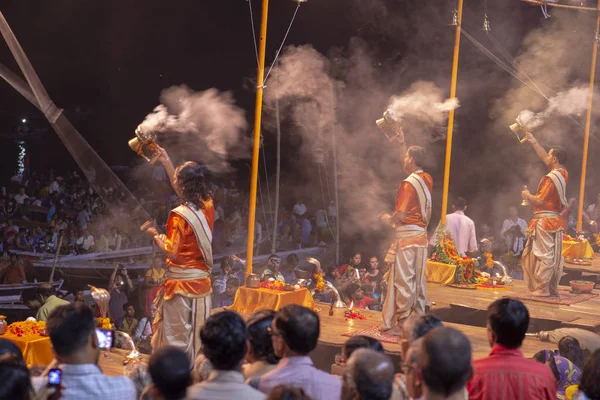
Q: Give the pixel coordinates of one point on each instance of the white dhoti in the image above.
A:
(542, 261)
(178, 322)
(406, 284)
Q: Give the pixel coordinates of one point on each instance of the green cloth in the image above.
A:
(49, 306)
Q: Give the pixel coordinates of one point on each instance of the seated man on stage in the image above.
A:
(542, 258)
(408, 253)
(184, 301)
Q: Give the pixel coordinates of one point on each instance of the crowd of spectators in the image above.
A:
(269, 357)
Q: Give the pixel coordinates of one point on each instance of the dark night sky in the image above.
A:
(112, 58)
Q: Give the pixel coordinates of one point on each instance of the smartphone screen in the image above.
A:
(105, 338)
(54, 377)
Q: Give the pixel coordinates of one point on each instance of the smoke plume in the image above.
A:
(568, 103)
(422, 101)
(212, 127)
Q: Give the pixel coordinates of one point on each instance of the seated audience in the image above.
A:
(170, 371)
(444, 363)
(224, 343)
(569, 348)
(351, 345)
(14, 374)
(72, 331)
(295, 331)
(368, 376)
(14, 272)
(139, 375)
(505, 373)
(128, 322)
(273, 269)
(226, 298)
(260, 357)
(589, 386)
(48, 300)
(566, 373)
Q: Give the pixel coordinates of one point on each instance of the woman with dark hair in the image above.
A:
(261, 357)
(569, 348)
(589, 387)
(184, 301)
(566, 373)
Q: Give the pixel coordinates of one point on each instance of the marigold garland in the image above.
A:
(353, 314)
(320, 282)
(272, 285)
(489, 261)
(23, 328)
(104, 323)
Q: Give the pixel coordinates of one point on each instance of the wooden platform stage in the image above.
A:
(546, 316)
(331, 340)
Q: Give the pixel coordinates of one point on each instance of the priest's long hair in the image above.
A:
(190, 178)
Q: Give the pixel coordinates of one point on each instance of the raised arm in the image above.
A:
(167, 164)
(539, 150)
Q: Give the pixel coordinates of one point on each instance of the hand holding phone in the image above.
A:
(54, 384)
(105, 338)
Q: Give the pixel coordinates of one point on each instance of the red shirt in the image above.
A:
(505, 374)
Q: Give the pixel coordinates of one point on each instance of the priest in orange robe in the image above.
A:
(542, 258)
(407, 255)
(184, 300)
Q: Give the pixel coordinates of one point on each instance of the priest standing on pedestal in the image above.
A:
(184, 301)
(407, 255)
(542, 258)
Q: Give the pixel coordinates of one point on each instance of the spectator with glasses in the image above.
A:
(273, 268)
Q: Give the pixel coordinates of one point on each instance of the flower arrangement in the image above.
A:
(353, 314)
(104, 323)
(22, 328)
(272, 285)
(320, 282)
(489, 261)
(445, 252)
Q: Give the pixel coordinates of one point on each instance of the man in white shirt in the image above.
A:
(513, 231)
(83, 218)
(299, 208)
(21, 196)
(86, 241)
(462, 228)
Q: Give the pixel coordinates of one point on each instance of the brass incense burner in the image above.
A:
(519, 129)
(390, 127)
(144, 144)
(525, 202)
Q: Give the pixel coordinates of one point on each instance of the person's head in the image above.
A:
(355, 259)
(590, 377)
(202, 368)
(410, 367)
(79, 295)
(445, 361)
(170, 371)
(72, 331)
(190, 184)
(508, 320)
(460, 204)
(374, 282)
(129, 310)
(8, 347)
(414, 159)
(14, 258)
(368, 375)
(260, 345)
(157, 261)
(547, 357)
(287, 392)
(139, 375)
(415, 327)
(513, 212)
(21, 190)
(359, 342)
(274, 262)
(569, 348)
(226, 265)
(295, 331)
(292, 261)
(152, 310)
(354, 292)
(557, 155)
(14, 375)
(224, 340)
(367, 290)
(373, 263)
(232, 286)
(44, 291)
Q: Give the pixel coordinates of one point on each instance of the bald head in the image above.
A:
(369, 375)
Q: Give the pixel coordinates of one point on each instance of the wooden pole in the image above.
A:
(60, 240)
(588, 122)
(257, 130)
(277, 171)
(451, 114)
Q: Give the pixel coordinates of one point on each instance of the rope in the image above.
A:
(267, 180)
(253, 32)
(324, 203)
(282, 43)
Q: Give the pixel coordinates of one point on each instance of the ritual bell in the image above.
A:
(390, 127)
(486, 24)
(525, 202)
(454, 18)
(519, 129)
(144, 144)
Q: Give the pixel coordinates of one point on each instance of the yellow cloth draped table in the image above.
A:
(437, 272)
(36, 349)
(248, 300)
(574, 249)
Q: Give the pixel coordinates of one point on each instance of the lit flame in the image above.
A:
(351, 305)
(497, 275)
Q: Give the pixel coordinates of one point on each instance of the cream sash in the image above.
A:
(199, 224)
(561, 186)
(423, 194)
(409, 231)
(185, 274)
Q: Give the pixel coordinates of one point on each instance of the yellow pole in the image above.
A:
(257, 123)
(451, 115)
(588, 119)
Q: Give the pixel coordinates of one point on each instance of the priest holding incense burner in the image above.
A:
(542, 258)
